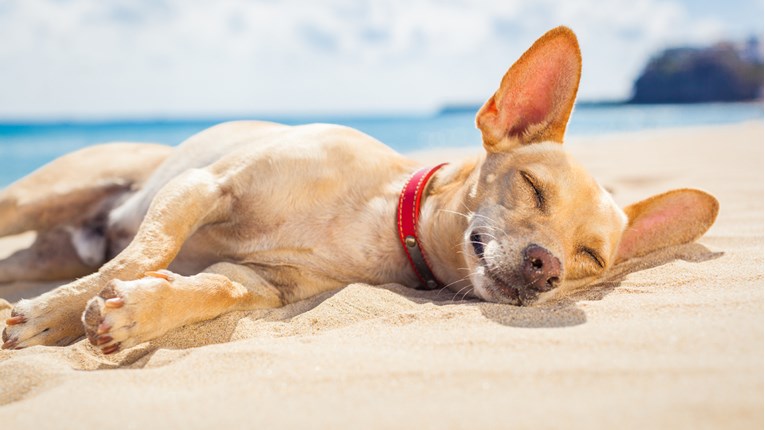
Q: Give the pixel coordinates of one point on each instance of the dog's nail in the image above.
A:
(103, 328)
(111, 349)
(162, 274)
(103, 340)
(19, 319)
(114, 303)
(11, 344)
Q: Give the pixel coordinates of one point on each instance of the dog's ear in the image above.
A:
(672, 218)
(536, 96)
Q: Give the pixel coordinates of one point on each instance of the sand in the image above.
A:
(677, 343)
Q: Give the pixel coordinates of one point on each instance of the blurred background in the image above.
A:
(410, 73)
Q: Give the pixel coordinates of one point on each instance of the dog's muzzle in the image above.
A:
(539, 271)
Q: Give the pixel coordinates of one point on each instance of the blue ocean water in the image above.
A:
(27, 146)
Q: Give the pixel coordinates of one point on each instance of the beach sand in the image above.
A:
(677, 343)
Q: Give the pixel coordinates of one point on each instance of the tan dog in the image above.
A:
(250, 215)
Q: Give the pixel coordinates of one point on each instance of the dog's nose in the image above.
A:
(541, 269)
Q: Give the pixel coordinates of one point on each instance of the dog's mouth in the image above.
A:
(488, 284)
(501, 291)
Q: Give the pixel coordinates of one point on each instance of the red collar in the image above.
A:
(408, 214)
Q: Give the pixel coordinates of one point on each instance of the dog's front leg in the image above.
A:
(186, 203)
(127, 313)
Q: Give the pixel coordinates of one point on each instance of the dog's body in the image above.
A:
(251, 215)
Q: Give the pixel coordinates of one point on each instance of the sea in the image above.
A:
(27, 145)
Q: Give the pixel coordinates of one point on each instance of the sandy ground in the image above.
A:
(677, 343)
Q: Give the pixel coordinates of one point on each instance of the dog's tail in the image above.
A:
(77, 187)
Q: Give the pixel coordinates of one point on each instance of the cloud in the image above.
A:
(179, 57)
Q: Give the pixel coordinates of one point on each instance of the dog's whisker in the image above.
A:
(454, 297)
(469, 211)
(455, 282)
(490, 235)
(484, 216)
(455, 213)
(458, 292)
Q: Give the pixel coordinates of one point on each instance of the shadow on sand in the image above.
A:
(563, 312)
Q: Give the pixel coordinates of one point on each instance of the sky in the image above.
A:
(83, 59)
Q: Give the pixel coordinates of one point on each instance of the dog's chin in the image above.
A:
(491, 291)
(484, 287)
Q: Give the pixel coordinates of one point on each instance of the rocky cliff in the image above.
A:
(721, 73)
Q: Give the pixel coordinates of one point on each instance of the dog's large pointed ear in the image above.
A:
(536, 96)
(672, 218)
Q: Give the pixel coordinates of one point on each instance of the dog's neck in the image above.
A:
(444, 220)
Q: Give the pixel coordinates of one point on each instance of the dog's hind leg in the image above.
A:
(52, 256)
(66, 202)
(69, 188)
(186, 203)
(41, 209)
(127, 313)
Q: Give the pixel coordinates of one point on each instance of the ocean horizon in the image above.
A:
(27, 145)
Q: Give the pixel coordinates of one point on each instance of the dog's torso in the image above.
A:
(314, 205)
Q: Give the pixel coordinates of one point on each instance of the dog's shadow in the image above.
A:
(563, 311)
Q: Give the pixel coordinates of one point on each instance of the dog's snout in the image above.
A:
(541, 269)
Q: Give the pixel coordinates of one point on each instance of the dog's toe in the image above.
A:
(121, 315)
(41, 321)
(9, 343)
(110, 349)
(97, 328)
(103, 328)
(114, 303)
(18, 319)
(92, 318)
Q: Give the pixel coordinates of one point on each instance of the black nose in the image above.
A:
(541, 269)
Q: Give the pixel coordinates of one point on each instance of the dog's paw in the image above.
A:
(126, 313)
(51, 319)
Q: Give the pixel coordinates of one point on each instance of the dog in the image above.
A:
(252, 215)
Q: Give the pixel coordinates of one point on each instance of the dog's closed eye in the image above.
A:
(593, 255)
(531, 182)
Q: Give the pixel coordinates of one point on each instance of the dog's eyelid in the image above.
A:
(593, 255)
(527, 176)
(533, 184)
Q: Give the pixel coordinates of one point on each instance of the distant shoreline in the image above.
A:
(192, 120)
(469, 107)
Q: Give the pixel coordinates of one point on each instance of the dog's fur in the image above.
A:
(249, 215)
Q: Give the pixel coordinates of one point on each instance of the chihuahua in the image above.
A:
(251, 215)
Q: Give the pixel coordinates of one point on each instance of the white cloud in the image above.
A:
(177, 57)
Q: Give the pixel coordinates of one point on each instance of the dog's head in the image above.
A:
(537, 219)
